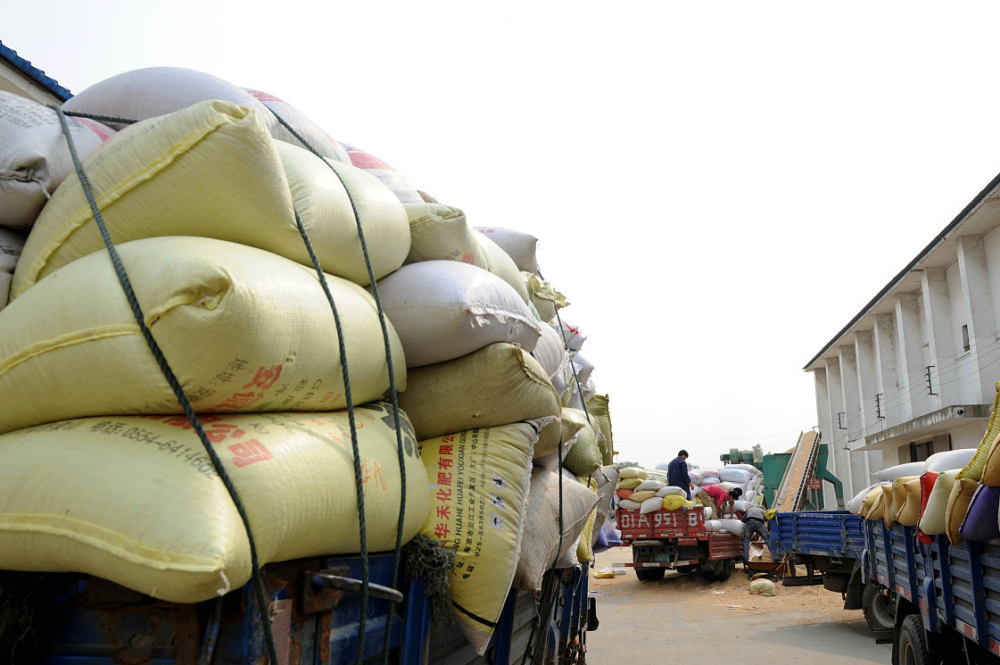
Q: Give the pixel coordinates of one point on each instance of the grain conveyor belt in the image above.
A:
(794, 483)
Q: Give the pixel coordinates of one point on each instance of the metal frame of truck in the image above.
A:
(677, 539)
(946, 597)
(315, 609)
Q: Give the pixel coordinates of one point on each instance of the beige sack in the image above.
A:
(11, 246)
(544, 297)
(135, 500)
(479, 491)
(497, 385)
(244, 331)
(933, 521)
(974, 470)
(501, 265)
(906, 500)
(218, 155)
(443, 310)
(585, 455)
(154, 91)
(387, 175)
(958, 505)
(518, 245)
(35, 156)
(540, 547)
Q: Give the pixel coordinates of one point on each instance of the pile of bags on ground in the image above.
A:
(507, 447)
(954, 493)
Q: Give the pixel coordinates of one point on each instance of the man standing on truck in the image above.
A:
(677, 473)
(754, 522)
(719, 499)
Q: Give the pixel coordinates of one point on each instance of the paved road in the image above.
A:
(684, 618)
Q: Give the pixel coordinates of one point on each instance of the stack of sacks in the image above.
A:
(202, 201)
(954, 493)
(34, 160)
(481, 358)
(638, 490)
(746, 477)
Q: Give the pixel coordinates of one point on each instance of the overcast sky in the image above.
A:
(718, 188)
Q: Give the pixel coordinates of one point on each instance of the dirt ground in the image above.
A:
(685, 616)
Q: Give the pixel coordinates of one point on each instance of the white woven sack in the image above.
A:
(651, 504)
(629, 504)
(695, 475)
(734, 527)
(709, 480)
(518, 245)
(649, 484)
(729, 474)
(11, 244)
(552, 356)
(900, 470)
(671, 489)
(445, 309)
(389, 176)
(749, 468)
(313, 134)
(712, 525)
(574, 339)
(750, 496)
(950, 459)
(141, 94)
(856, 502)
(583, 368)
(710, 472)
(35, 157)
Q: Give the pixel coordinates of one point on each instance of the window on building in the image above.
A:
(921, 451)
(965, 338)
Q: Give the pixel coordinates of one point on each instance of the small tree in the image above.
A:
(625, 465)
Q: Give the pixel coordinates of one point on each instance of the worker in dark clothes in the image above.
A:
(754, 522)
(720, 499)
(677, 473)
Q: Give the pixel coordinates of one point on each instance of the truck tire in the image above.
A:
(877, 608)
(727, 569)
(913, 648)
(655, 574)
(836, 583)
(641, 574)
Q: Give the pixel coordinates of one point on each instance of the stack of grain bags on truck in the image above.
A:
(954, 493)
(101, 472)
(647, 491)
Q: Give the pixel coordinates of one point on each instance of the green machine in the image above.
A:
(774, 466)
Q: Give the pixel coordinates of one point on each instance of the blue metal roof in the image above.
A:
(34, 73)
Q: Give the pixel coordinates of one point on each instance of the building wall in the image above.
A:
(14, 81)
(921, 351)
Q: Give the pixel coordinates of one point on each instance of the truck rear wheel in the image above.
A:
(835, 582)
(913, 648)
(877, 608)
(650, 574)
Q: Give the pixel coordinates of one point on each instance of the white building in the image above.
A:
(913, 372)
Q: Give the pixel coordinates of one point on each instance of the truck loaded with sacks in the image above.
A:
(666, 530)
(931, 560)
(261, 400)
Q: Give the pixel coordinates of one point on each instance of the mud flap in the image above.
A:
(855, 589)
(592, 621)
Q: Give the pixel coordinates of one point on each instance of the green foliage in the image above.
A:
(625, 465)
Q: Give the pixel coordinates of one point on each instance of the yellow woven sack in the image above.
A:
(974, 469)
(675, 502)
(633, 472)
(585, 549)
(543, 296)
(209, 170)
(479, 492)
(244, 331)
(441, 233)
(642, 495)
(585, 455)
(875, 495)
(958, 506)
(497, 385)
(991, 469)
(598, 406)
(135, 499)
(888, 506)
(629, 483)
(323, 194)
(906, 500)
(933, 521)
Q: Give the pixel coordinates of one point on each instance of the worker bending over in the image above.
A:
(719, 499)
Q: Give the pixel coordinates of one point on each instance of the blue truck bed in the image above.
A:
(829, 533)
(955, 587)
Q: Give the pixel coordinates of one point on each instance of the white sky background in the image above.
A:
(718, 188)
